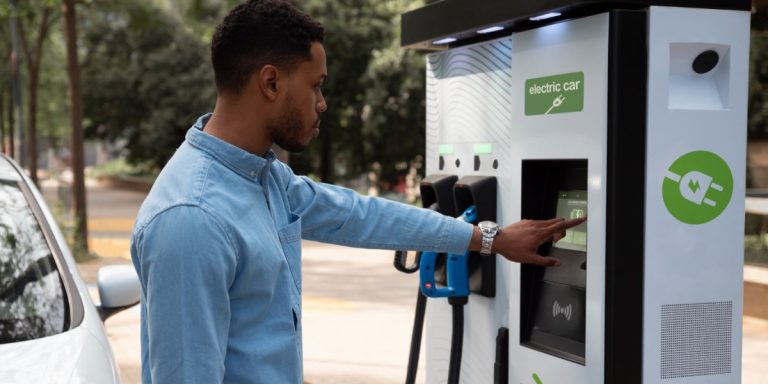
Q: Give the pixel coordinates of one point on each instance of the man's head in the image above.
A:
(257, 33)
(269, 51)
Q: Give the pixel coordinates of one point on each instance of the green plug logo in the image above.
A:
(697, 187)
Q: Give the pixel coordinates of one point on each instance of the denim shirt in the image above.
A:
(217, 246)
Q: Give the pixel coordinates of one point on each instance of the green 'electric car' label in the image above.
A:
(554, 94)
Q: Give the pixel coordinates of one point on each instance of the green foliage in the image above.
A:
(756, 249)
(145, 78)
(51, 108)
(758, 85)
(68, 226)
(374, 92)
(199, 16)
(120, 167)
(394, 114)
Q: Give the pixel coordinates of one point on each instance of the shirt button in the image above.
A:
(253, 173)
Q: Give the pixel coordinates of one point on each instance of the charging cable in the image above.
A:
(456, 290)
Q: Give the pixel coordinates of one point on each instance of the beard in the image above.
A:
(286, 132)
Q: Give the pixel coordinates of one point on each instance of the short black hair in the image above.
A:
(257, 33)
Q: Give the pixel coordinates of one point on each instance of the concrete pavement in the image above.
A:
(358, 310)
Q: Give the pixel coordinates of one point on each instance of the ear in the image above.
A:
(268, 81)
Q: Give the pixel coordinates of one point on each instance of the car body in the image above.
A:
(50, 330)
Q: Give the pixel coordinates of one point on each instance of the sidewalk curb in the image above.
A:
(138, 184)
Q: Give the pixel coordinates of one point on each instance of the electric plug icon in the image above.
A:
(556, 103)
(694, 186)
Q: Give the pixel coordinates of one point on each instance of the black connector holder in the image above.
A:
(437, 194)
(479, 191)
(438, 189)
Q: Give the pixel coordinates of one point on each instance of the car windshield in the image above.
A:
(32, 299)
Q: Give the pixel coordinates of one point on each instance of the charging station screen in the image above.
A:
(572, 205)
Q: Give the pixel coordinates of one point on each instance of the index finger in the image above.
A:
(565, 224)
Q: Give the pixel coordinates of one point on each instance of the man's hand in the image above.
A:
(519, 242)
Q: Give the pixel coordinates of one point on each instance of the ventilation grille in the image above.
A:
(696, 339)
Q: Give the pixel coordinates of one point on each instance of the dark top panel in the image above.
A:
(462, 19)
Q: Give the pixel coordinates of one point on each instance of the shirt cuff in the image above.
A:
(458, 235)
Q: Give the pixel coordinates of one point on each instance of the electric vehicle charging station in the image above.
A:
(632, 112)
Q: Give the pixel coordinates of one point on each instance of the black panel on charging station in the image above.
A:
(437, 193)
(553, 299)
(479, 191)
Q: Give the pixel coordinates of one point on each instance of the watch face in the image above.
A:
(488, 227)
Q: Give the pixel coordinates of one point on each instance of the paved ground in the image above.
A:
(355, 331)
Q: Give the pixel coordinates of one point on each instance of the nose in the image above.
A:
(322, 106)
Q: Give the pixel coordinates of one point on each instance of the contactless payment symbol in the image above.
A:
(697, 187)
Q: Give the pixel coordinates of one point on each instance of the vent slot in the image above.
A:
(696, 339)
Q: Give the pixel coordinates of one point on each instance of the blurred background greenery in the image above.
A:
(146, 76)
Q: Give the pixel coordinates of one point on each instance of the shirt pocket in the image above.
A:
(290, 240)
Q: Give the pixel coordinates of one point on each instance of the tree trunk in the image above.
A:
(34, 57)
(76, 121)
(2, 120)
(34, 77)
(11, 142)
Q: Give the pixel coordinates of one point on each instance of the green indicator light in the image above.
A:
(483, 149)
(446, 149)
(536, 379)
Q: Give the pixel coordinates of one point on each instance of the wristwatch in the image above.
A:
(489, 229)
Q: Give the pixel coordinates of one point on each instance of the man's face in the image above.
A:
(298, 121)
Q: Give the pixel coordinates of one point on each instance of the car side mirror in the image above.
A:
(119, 289)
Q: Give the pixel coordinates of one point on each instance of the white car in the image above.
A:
(50, 330)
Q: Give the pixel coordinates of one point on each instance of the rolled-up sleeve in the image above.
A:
(186, 263)
(340, 215)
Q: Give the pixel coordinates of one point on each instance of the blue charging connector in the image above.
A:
(457, 276)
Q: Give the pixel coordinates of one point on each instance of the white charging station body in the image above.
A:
(682, 305)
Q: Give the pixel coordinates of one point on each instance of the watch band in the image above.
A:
(485, 247)
(489, 230)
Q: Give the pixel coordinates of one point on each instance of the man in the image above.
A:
(217, 243)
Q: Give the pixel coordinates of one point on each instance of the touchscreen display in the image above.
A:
(572, 205)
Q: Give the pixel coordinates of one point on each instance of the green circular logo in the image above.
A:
(697, 187)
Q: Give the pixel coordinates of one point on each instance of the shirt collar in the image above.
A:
(235, 158)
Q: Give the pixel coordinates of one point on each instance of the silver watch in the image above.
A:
(489, 229)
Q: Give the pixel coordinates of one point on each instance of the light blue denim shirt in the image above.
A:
(217, 246)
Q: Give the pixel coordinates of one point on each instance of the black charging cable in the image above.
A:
(457, 337)
(418, 326)
(418, 317)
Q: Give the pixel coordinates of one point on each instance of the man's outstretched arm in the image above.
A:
(339, 215)
(519, 242)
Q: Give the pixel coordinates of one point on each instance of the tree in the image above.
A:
(76, 120)
(375, 91)
(43, 16)
(394, 115)
(5, 78)
(146, 79)
(148, 76)
(353, 32)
